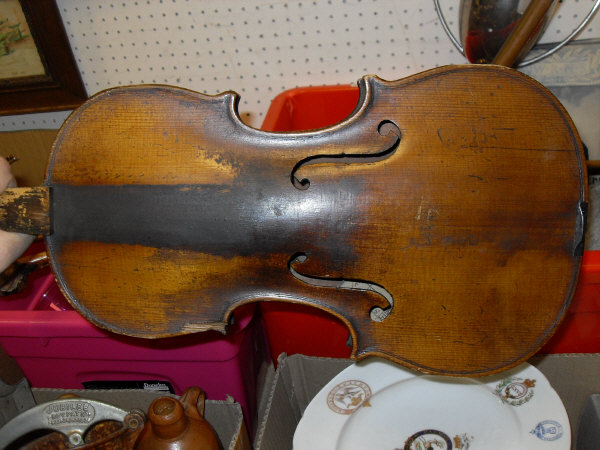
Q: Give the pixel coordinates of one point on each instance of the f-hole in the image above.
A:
(385, 128)
(377, 314)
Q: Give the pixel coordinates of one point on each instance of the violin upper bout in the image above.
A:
(146, 134)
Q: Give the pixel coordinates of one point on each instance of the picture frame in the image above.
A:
(55, 84)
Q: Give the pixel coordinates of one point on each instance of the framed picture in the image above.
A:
(38, 72)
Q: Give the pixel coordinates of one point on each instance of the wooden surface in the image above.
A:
(441, 221)
(31, 148)
(26, 210)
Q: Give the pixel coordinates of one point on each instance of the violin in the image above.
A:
(443, 221)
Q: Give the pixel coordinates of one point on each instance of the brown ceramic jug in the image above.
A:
(174, 424)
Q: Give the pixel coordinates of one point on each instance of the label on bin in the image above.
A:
(148, 385)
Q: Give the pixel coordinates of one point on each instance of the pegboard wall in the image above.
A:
(261, 48)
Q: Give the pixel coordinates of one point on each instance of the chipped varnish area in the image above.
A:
(26, 210)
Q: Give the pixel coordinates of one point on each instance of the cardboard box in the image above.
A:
(226, 417)
(298, 378)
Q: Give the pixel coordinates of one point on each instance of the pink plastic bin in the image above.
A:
(294, 328)
(60, 349)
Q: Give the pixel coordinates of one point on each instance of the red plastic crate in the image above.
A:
(310, 108)
(301, 329)
(580, 330)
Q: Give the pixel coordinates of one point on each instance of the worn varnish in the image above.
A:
(442, 221)
(26, 210)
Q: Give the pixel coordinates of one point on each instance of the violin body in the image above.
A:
(442, 221)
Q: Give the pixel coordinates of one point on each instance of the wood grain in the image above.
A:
(442, 221)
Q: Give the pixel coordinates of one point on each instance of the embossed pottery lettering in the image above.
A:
(548, 430)
(429, 440)
(70, 412)
(515, 391)
(347, 396)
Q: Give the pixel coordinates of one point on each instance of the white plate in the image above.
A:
(375, 404)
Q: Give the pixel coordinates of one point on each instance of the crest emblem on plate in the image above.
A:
(347, 396)
(515, 391)
(428, 439)
(437, 440)
(548, 430)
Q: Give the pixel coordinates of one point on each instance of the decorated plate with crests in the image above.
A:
(375, 404)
